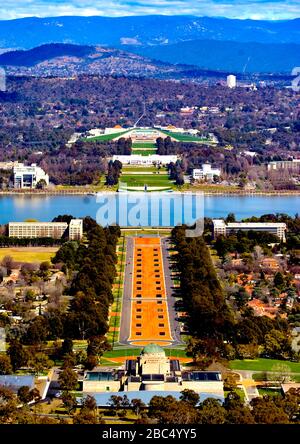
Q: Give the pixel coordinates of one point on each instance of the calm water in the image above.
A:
(45, 208)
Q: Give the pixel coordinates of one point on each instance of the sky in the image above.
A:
(242, 9)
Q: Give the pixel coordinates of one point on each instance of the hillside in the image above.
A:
(42, 53)
(145, 30)
(68, 60)
(215, 61)
(227, 55)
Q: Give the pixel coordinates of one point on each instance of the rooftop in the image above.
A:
(153, 349)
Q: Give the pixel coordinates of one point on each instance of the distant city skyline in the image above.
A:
(238, 9)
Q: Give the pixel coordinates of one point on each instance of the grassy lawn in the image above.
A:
(238, 391)
(186, 137)
(120, 352)
(262, 364)
(29, 254)
(151, 180)
(142, 169)
(115, 321)
(104, 137)
(269, 392)
(144, 145)
(264, 376)
(146, 152)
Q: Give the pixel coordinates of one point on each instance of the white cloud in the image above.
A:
(255, 9)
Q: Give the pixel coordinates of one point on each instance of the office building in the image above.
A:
(55, 230)
(29, 176)
(231, 81)
(76, 229)
(224, 229)
(284, 165)
(206, 172)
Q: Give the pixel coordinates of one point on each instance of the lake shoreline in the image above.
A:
(205, 192)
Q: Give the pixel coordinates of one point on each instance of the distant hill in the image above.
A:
(227, 55)
(215, 60)
(145, 30)
(42, 53)
(58, 59)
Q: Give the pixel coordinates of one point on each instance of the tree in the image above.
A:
(236, 411)
(265, 411)
(88, 413)
(40, 362)
(97, 345)
(190, 396)
(279, 281)
(211, 412)
(115, 402)
(5, 365)
(137, 405)
(18, 355)
(280, 372)
(69, 401)
(67, 347)
(230, 381)
(8, 405)
(68, 379)
(91, 362)
(277, 345)
(26, 395)
(41, 185)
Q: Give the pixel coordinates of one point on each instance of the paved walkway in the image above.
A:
(148, 314)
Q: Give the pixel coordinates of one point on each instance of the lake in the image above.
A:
(44, 208)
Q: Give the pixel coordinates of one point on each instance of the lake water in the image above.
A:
(45, 208)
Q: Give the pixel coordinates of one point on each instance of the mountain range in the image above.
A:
(240, 46)
(143, 30)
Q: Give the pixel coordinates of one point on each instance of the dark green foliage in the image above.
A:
(201, 291)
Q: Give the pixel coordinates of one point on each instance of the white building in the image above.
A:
(206, 172)
(76, 229)
(231, 81)
(223, 228)
(284, 165)
(153, 371)
(55, 230)
(28, 176)
(139, 159)
(32, 230)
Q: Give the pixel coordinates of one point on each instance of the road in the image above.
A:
(174, 324)
(127, 292)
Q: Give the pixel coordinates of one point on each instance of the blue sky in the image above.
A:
(254, 9)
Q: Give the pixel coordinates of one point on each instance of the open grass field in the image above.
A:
(125, 352)
(29, 254)
(139, 180)
(144, 145)
(263, 365)
(104, 137)
(266, 376)
(144, 152)
(127, 169)
(186, 137)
